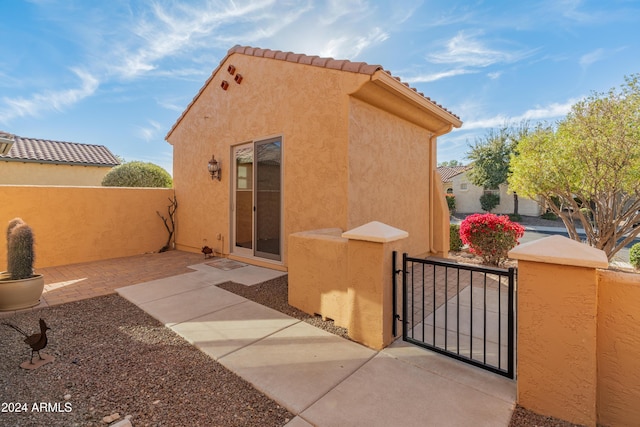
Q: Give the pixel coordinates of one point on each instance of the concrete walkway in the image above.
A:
(323, 379)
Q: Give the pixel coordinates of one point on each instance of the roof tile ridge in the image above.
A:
(315, 60)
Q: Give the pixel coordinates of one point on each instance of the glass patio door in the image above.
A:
(258, 199)
(243, 200)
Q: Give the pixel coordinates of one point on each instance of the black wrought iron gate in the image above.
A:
(462, 311)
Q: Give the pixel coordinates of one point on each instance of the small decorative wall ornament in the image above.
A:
(231, 69)
(238, 78)
(214, 168)
(224, 85)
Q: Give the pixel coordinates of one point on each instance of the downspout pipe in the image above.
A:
(433, 141)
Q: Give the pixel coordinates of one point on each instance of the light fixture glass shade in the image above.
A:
(214, 168)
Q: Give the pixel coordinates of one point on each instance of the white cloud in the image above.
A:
(350, 46)
(426, 78)
(551, 111)
(149, 133)
(466, 49)
(591, 57)
(50, 100)
(337, 9)
(173, 32)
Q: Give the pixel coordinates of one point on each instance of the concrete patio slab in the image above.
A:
(298, 422)
(230, 329)
(481, 380)
(162, 288)
(189, 305)
(251, 275)
(298, 365)
(386, 391)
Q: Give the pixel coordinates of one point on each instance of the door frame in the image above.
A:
(253, 252)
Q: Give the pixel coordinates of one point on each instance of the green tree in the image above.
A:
(491, 156)
(137, 174)
(450, 163)
(587, 168)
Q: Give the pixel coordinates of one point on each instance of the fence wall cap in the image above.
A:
(560, 250)
(375, 231)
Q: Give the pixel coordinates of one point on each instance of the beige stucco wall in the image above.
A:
(468, 201)
(389, 181)
(346, 279)
(578, 334)
(441, 219)
(557, 340)
(80, 224)
(318, 271)
(344, 162)
(31, 173)
(306, 107)
(618, 348)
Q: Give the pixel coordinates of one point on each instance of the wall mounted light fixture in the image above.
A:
(214, 168)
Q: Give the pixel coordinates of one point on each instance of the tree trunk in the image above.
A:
(515, 203)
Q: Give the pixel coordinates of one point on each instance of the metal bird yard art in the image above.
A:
(37, 341)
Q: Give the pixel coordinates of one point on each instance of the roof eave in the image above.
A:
(49, 162)
(391, 84)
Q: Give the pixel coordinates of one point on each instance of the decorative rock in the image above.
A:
(67, 397)
(111, 418)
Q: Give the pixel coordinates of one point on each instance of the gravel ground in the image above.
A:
(273, 294)
(111, 357)
(524, 418)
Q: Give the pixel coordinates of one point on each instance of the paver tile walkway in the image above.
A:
(73, 282)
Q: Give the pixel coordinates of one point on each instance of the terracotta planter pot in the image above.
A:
(19, 294)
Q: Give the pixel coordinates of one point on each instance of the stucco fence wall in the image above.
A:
(346, 276)
(618, 348)
(81, 224)
(578, 334)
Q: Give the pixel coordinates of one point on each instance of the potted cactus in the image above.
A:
(19, 286)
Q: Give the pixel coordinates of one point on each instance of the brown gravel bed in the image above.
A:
(111, 357)
(524, 418)
(274, 294)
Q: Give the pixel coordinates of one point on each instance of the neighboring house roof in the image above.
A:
(448, 172)
(316, 61)
(58, 152)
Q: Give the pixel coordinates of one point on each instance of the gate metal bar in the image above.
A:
(434, 290)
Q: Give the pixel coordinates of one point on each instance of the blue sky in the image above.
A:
(120, 72)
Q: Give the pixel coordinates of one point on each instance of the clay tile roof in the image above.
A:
(6, 135)
(448, 172)
(313, 60)
(344, 65)
(58, 152)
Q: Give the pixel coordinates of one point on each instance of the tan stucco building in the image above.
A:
(455, 181)
(305, 143)
(30, 161)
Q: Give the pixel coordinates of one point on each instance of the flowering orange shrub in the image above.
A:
(490, 236)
